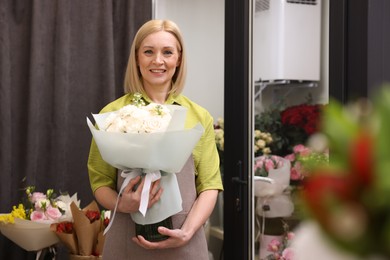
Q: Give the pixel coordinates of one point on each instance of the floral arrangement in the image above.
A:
(133, 119)
(139, 118)
(289, 126)
(271, 186)
(28, 224)
(262, 142)
(265, 163)
(281, 249)
(39, 207)
(303, 159)
(84, 235)
(155, 145)
(303, 117)
(43, 206)
(349, 197)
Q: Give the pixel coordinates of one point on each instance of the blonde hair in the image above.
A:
(133, 78)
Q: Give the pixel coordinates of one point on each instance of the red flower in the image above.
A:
(362, 159)
(92, 215)
(65, 227)
(306, 117)
(106, 221)
(322, 190)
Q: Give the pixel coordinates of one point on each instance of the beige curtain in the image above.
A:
(60, 61)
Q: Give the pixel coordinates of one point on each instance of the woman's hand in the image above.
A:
(131, 196)
(199, 213)
(177, 238)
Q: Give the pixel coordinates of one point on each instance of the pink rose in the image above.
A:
(53, 213)
(296, 172)
(259, 164)
(274, 245)
(269, 165)
(37, 196)
(301, 149)
(37, 216)
(290, 236)
(290, 157)
(288, 254)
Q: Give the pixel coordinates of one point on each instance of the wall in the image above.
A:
(202, 24)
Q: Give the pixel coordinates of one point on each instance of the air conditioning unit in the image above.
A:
(287, 40)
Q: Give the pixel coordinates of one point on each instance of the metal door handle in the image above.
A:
(240, 183)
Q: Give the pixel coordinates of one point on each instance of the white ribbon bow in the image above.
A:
(150, 177)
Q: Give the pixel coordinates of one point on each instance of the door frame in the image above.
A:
(238, 152)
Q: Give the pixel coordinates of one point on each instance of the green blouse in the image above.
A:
(207, 175)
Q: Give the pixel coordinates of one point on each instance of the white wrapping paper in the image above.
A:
(159, 155)
(29, 235)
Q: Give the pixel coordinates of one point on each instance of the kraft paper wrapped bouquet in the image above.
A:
(150, 141)
(84, 235)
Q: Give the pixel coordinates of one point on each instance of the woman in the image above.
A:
(157, 70)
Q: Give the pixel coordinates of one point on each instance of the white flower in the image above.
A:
(144, 119)
(42, 204)
(107, 214)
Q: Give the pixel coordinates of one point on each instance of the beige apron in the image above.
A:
(119, 245)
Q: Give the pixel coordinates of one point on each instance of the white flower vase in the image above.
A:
(264, 242)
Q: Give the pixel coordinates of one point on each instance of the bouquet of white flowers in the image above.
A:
(152, 141)
(152, 118)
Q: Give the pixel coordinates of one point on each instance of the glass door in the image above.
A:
(290, 70)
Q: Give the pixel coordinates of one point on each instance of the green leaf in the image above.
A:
(382, 124)
(339, 127)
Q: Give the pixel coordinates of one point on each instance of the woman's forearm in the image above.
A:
(200, 211)
(106, 197)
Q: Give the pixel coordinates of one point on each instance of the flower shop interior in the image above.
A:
(290, 85)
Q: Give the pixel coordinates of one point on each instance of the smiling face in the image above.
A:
(157, 58)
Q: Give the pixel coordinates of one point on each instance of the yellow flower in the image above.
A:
(266, 150)
(19, 212)
(219, 138)
(261, 144)
(6, 218)
(257, 133)
(220, 122)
